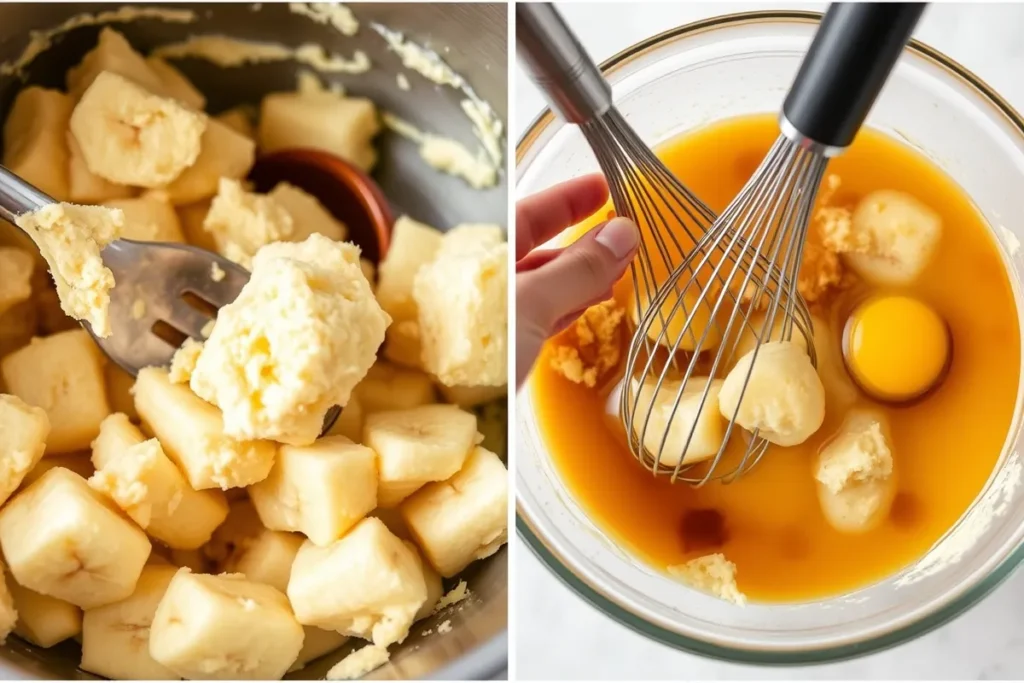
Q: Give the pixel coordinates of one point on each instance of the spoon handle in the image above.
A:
(18, 197)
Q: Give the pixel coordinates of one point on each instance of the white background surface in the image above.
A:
(558, 636)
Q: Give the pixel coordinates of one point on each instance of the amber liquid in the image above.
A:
(769, 522)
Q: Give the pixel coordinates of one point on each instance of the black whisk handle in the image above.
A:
(850, 58)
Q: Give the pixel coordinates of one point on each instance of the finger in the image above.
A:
(580, 274)
(536, 259)
(541, 216)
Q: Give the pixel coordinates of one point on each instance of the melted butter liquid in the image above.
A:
(769, 522)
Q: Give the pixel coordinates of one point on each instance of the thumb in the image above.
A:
(579, 276)
(549, 296)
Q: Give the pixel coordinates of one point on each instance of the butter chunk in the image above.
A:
(113, 53)
(321, 490)
(302, 333)
(144, 483)
(854, 473)
(61, 539)
(344, 126)
(24, 429)
(148, 219)
(63, 375)
(308, 214)
(115, 637)
(191, 432)
(461, 298)
(42, 620)
(464, 518)
(224, 153)
(367, 584)
(413, 245)
(70, 238)
(17, 266)
(224, 627)
(242, 222)
(35, 146)
(130, 136)
(711, 574)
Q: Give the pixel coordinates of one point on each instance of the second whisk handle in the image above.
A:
(852, 54)
(555, 61)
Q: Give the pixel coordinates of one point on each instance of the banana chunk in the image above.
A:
(266, 558)
(320, 490)
(344, 126)
(113, 53)
(18, 266)
(119, 390)
(8, 614)
(76, 462)
(402, 344)
(148, 219)
(901, 233)
(191, 432)
(350, 423)
(784, 398)
(61, 539)
(175, 84)
(237, 532)
(115, 637)
(413, 245)
(463, 519)
(224, 627)
(224, 153)
(695, 433)
(463, 313)
(240, 120)
(367, 584)
(42, 620)
(242, 222)
(24, 430)
(756, 327)
(84, 186)
(317, 643)
(854, 473)
(192, 217)
(471, 397)
(132, 137)
(63, 375)
(35, 146)
(387, 387)
(431, 579)
(308, 214)
(144, 483)
(298, 338)
(418, 445)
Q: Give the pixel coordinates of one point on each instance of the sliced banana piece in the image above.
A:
(8, 614)
(84, 186)
(24, 430)
(431, 579)
(855, 473)
(42, 620)
(148, 219)
(35, 146)
(694, 426)
(902, 233)
(320, 490)
(113, 53)
(308, 214)
(463, 519)
(59, 536)
(317, 643)
(784, 399)
(367, 584)
(115, 637)
(224, 153)
(413, 245)
(266, 558)
(224, 627)
(388, 387)
(414, 446)
(176, 84)
(132, 137)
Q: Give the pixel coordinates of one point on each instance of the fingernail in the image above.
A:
(620, 236)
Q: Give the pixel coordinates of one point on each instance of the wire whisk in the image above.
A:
(729, 284)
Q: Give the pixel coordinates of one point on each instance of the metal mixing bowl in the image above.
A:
(473, 40)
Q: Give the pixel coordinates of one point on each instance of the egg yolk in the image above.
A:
(897, 347)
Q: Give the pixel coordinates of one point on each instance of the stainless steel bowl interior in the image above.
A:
(472, 38)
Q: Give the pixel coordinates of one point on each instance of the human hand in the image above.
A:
(555, 286)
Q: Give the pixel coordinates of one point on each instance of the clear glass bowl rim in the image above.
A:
(606, 603)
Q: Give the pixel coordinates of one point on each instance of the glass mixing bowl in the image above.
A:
(743, 64)
(473, 39)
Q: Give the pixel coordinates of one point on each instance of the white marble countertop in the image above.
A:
(558, 636)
